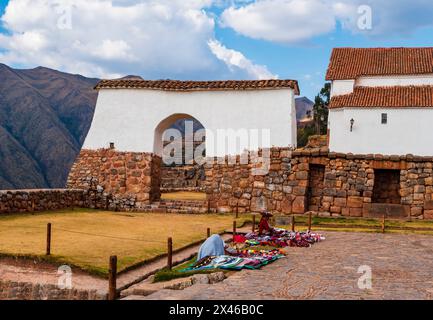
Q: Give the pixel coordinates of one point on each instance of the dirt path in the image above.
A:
(32, 271)
(141, 273)
(23, 270)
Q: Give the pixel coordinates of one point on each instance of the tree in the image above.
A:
(320, 109)
(320, 115)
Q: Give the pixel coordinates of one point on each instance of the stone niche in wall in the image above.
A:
(129, 177)
(333, 183)
(369, 185)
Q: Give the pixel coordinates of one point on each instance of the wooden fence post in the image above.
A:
(383, 224)
(48, 239)
(309, 222)
(208, 232)
(237, 211)
(112, 274)
(293, 222)
(254, 222)
(170, 253)
(234, 230)
(208, 206)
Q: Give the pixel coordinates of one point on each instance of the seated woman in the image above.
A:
(264, 227)
(213, 246)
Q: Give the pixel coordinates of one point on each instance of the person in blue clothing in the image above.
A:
(213, 246)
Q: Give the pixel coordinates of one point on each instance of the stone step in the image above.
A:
(178, 206)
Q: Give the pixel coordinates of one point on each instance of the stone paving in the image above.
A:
(401, 266)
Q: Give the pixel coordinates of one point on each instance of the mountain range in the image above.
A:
(44, 118)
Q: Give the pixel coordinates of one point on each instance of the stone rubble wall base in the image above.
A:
(10, 290)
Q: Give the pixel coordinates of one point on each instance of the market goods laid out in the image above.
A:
(281, 238)
(252, 260)
(244, 252)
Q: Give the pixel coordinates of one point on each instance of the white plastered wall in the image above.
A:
(129, 117)
(408, 131)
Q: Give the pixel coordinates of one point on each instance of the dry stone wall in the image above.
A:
(232, 186)
(12, 201)
(183, 178)
(351, 185)
(122, 179)
(295, 182)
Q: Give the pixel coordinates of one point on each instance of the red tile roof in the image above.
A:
(351, 63)
(175, 85)
(389, 97)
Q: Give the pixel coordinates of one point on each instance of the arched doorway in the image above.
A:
(180, 141)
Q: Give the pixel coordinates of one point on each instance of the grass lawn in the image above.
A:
(184, 195)
(363, 225)
(86, 238)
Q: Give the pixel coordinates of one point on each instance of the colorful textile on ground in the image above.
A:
(247, 259)
(239, 238)
(281, 238)
(213, 246)
(240, 257)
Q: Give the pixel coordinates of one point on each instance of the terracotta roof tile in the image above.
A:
(389, 97)
(175, 85)
(351, 63)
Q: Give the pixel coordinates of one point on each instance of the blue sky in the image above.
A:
(205, 39)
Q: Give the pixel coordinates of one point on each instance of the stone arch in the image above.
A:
(166, 124)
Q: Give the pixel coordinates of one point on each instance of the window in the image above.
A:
(384, 118)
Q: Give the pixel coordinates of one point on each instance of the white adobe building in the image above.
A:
(133, 114)
(381, 101)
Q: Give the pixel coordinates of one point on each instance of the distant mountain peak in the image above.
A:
(303, 105)
(131, 77)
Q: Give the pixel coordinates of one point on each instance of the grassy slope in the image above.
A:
(133, 237)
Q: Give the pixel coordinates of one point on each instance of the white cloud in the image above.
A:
(284, 21)
(113, 50)
(164, 38)
(236, 60)
(294, 21)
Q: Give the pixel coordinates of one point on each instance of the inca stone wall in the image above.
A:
(296, 182)
(124, 178)
(41, 200)
(330, 183)
(350, 186)
(231, 185)
(183, 178)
